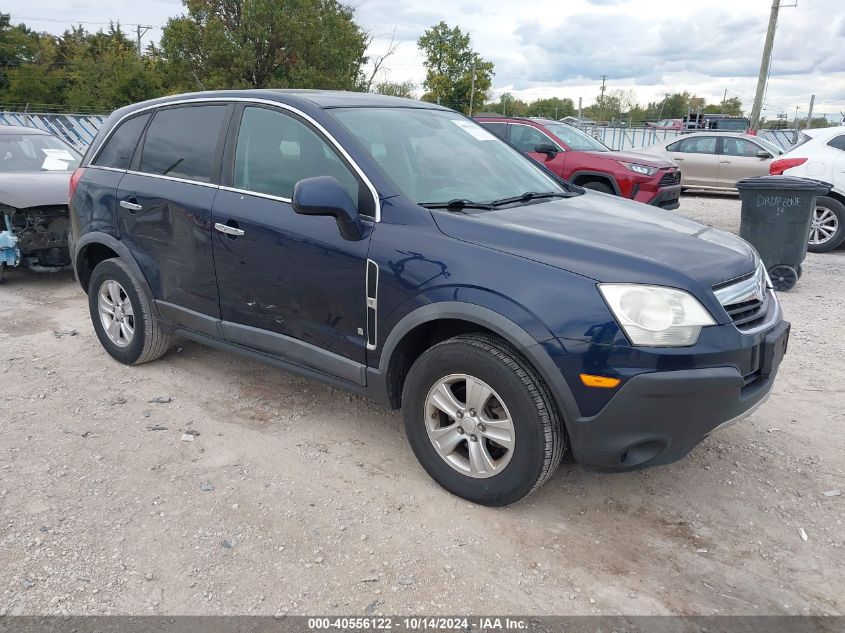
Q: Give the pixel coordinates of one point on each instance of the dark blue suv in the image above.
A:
(398, 250)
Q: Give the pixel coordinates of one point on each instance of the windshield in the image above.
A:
(435, 156)
(576, 139)
(36, 152)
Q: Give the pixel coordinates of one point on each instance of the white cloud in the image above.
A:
(554, 48)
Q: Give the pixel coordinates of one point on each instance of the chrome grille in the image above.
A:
(747, 299)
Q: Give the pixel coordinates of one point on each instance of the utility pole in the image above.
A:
(580, 118)
(601, 98)
(724, 99)
(662, 105)
(810, 112)
(139, 34)
(765, 64)
(472, 88)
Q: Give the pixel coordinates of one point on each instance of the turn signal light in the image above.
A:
(603, 382)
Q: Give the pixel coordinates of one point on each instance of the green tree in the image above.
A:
(406, 89)
(106, 71)
(264, 44)
(449, 63)
(553, 107)
(732, 106)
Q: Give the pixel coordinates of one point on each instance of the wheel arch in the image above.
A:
(92, 248)
(433, 323)
(584, 176)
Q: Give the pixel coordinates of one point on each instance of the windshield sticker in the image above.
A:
(56, 159)
(475, 130)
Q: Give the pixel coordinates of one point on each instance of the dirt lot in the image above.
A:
(296, 498)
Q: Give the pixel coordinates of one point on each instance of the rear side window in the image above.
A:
(838, 142)
(696, 145)
(119, 147)
(181, 142)
(499, 129)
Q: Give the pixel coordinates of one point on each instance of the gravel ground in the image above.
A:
(291, 497)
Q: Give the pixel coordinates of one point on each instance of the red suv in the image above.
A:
(581, 159)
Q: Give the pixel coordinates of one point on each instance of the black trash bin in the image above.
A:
(777, 213)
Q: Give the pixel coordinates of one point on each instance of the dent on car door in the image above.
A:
(164, 206)
(289, 284)
(738, 159)
(696, 158)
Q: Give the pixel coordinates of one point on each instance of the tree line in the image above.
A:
(234, 44)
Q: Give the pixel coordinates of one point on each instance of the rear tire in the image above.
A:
(828, 228)
(597, 185)
(122, 315)
(515, 409)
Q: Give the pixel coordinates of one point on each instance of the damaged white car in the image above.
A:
(35, 170)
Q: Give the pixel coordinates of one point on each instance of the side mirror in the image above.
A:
(763, 154)
(324, 195)
(546, 148)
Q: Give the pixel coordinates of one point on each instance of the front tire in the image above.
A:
(122, 315)
(481, 421)
(597, 185)
(828, 227)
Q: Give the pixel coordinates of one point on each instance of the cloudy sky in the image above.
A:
(563, 47)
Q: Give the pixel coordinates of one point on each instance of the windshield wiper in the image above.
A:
(531, 195)
(457, 203)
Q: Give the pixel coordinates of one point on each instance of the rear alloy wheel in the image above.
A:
(481, 421)
(827, 230)
(122, 315)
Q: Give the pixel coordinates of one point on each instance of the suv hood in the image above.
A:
(25, 189)
(632, 157)
(608, 239)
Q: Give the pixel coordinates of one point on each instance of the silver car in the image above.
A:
(35, 171)
(710, 160)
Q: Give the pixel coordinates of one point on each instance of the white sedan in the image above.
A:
(820, 155)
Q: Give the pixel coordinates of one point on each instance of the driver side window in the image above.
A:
(275, 151)
(526, 138)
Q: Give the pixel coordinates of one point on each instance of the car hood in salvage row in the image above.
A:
(22, 189)
(607, 239)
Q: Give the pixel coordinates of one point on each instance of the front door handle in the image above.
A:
(725, 162)
(131, 206)
(228, 230)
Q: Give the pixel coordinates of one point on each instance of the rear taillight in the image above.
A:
(74, 180)
(777, 167)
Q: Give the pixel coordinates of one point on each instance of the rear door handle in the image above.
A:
(131, 206)
(228, 230)
(725, 162)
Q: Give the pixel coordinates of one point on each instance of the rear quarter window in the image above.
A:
(838, 142)
(120, 146)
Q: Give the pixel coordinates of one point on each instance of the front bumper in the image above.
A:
(668, 198)
(658, 417)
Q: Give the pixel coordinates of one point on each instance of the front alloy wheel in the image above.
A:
(469, 425)
(481, 420)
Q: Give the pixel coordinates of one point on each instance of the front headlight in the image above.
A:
(656, 316)
(645, 170)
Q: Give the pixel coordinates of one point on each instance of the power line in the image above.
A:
(60, 21)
